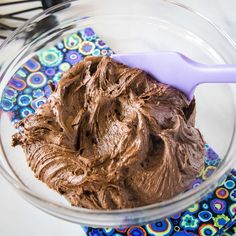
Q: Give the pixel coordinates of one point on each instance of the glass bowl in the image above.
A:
(126, 26)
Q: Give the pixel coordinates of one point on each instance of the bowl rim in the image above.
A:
(217, 176)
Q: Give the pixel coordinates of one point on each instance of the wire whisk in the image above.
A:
(12, 19)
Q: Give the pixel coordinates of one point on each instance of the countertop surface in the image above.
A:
(19, 218)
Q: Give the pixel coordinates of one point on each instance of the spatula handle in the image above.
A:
(201, 73)
(216, 74)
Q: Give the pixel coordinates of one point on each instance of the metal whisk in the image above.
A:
(12, 19)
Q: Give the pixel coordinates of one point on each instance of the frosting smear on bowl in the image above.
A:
(113, 137)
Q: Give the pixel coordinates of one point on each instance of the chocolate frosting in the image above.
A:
(112, 137)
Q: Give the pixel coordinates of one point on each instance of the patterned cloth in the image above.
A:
(28, 89)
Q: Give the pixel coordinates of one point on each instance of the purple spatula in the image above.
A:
(177, 70)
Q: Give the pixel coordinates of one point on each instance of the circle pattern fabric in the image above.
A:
(28, 89)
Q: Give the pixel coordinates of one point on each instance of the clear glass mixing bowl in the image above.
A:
(126, 26)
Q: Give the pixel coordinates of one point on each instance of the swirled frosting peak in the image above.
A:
(112, 137)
